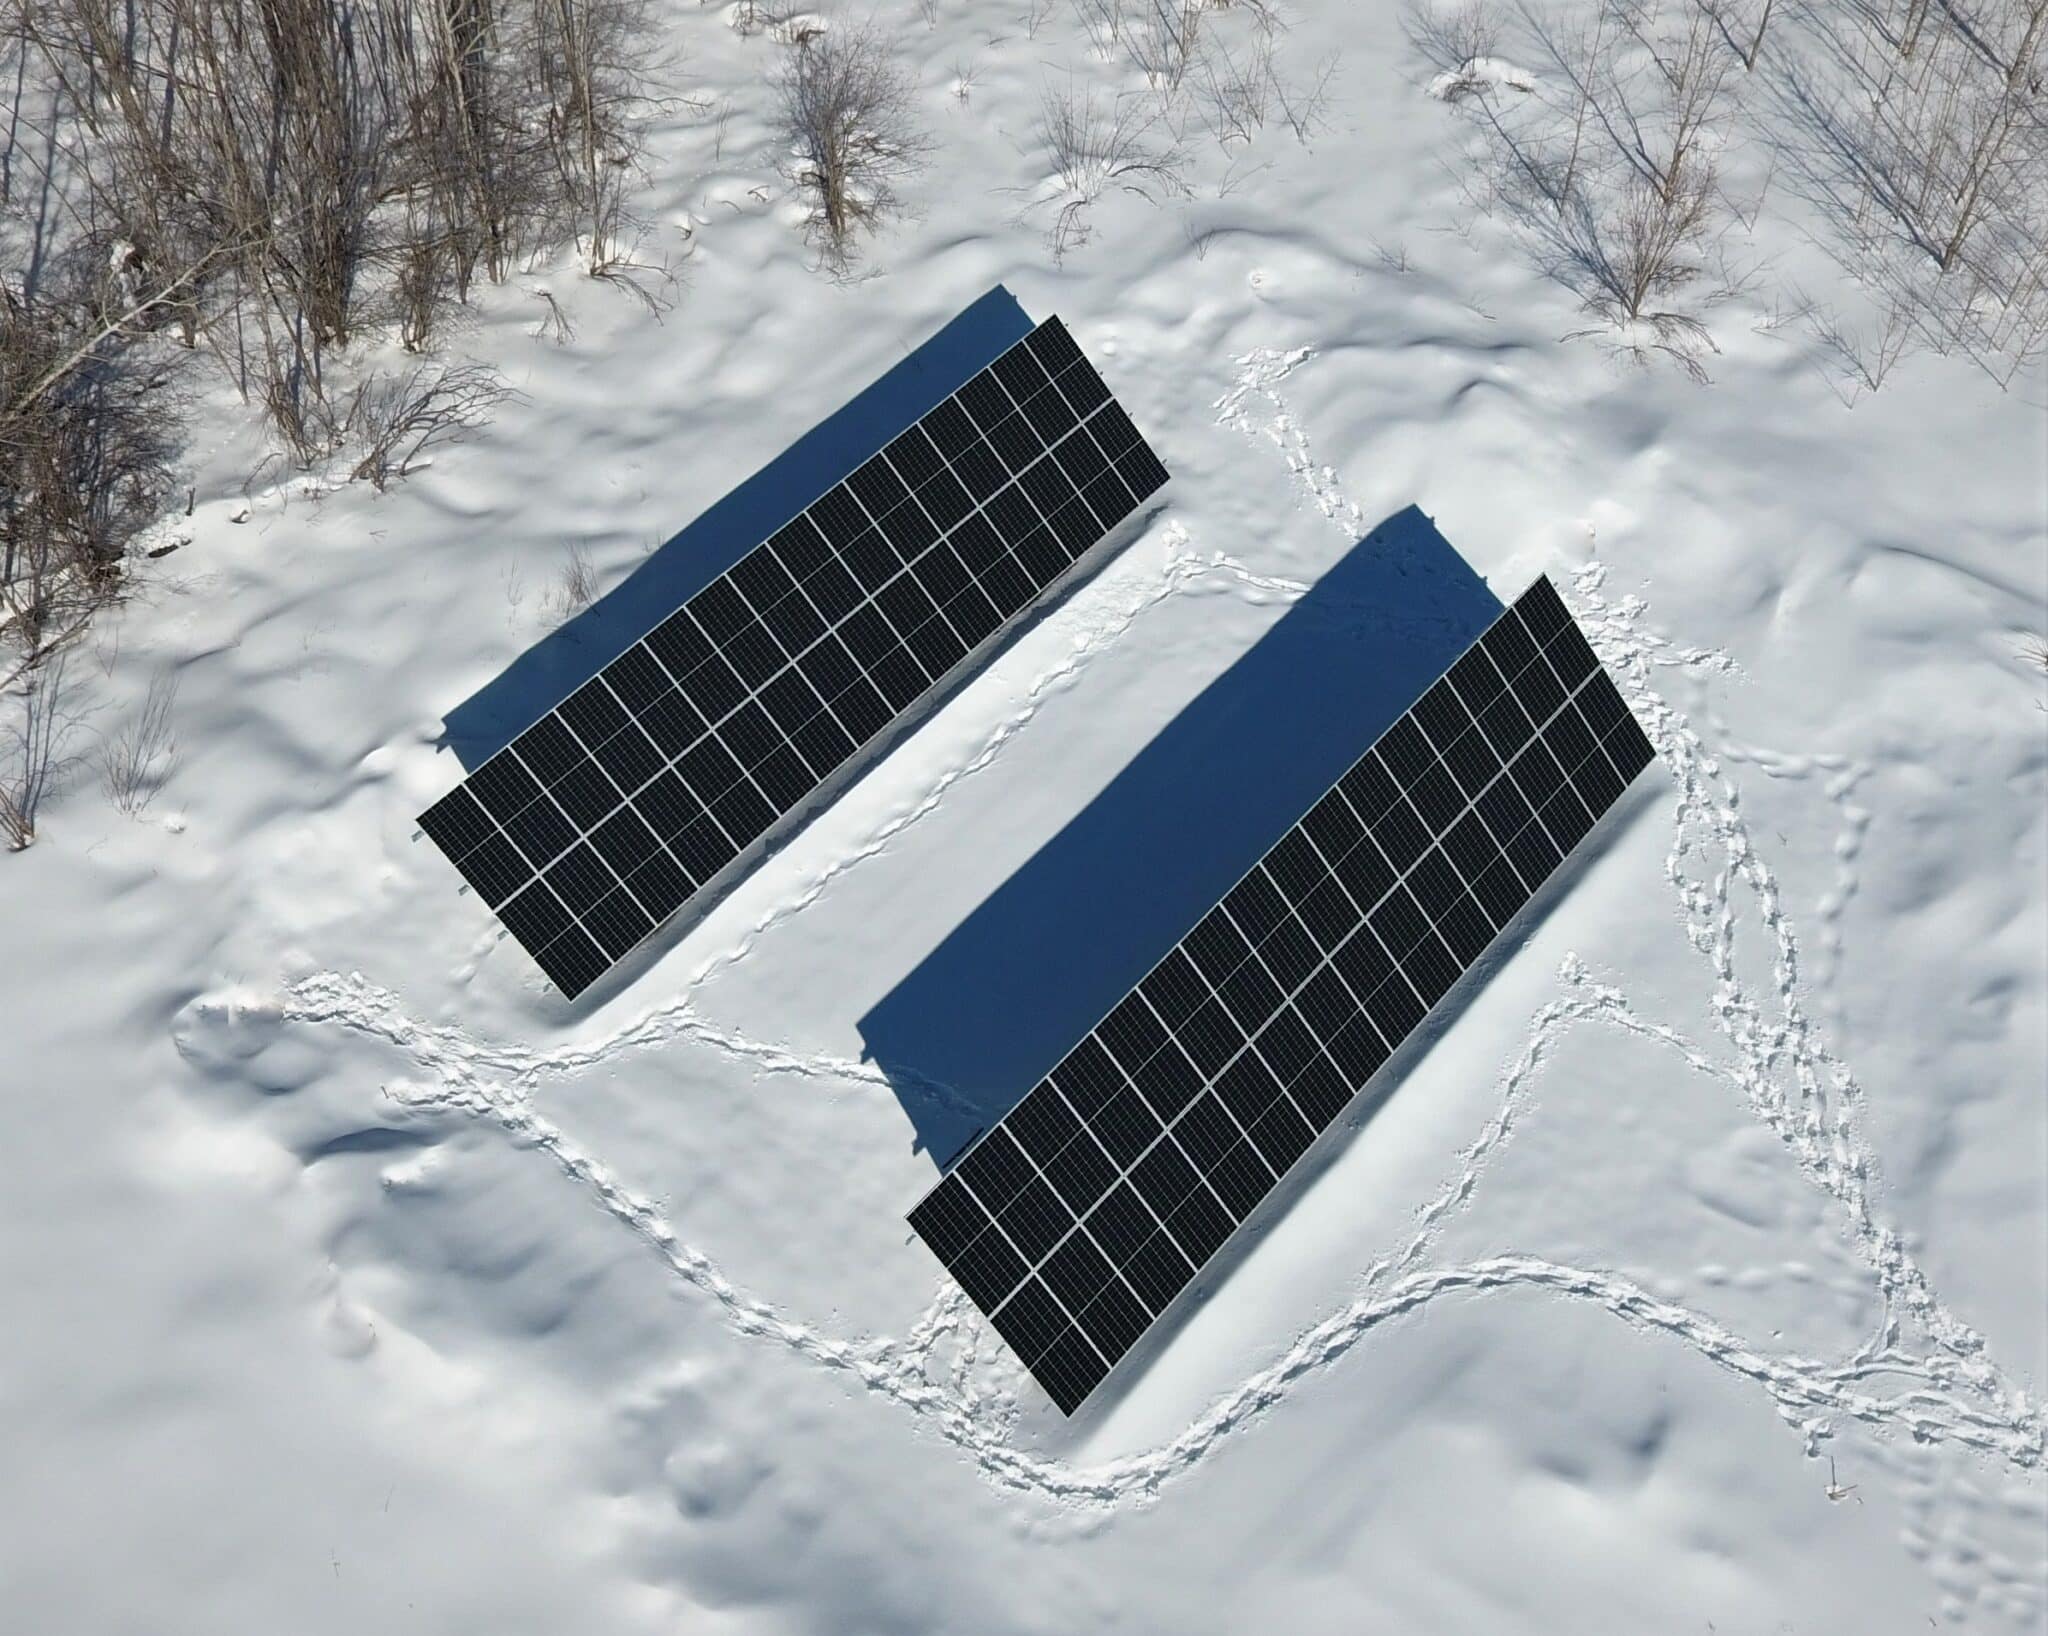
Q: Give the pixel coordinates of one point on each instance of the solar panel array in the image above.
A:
(1075, 1222)
(606, 816)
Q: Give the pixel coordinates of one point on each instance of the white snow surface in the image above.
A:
(355, 1282)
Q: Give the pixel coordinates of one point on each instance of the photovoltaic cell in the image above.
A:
(1167, 1125)
(610, 813)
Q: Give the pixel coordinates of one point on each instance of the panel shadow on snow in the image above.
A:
(1011, 989)
(563, 660)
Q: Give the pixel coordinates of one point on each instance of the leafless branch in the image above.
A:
(34, 752)
(1096, 144)
(396, 419)
(138, 760)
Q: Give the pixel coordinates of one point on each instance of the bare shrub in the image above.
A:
(1104, 21)
(554, 324)
(1165, 41)
(1607, 169)
(1921, 136)
(1304, 104)
(1238, 89)
(481, 190)
(1224, 67)
(1580, 52)
(1095, 145)
(584, 51)
(138, 760)
(1956, 132)
(1665, 130)
(394, 419)
(515, 593)
(850, 113)
(1239, 83)
(297, 171)
(2033, 653)
(1863, 355)
(1634, 254)
(575, 586)
(34, 752)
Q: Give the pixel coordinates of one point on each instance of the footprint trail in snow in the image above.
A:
(1770, 1054)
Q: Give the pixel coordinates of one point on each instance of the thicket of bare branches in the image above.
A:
(297, 171)
(85, 451)
(1918, 129)
(1217, 59)
(849, 111)
(1240, 88)
(1215, 65)
(1924, 144)
(1607, 163)
(279, 187)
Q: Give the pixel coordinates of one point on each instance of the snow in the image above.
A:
(357, 1282)
(1479, 75)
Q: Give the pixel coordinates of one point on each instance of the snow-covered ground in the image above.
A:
(1694, 1279)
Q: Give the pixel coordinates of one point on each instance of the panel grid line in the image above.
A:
(1427, 923)
(996, 1225)
(716, 724)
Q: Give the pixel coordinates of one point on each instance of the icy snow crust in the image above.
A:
(357, 1283)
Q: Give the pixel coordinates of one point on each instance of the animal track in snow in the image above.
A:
(1259, 375)
(468, 1065)
(1782, 1069)
(1819, 1118)
(1096, 629)
(1806, 1391)
(1790, 1079)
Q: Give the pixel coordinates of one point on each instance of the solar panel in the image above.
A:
(645, 785)
(1075, 1221)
